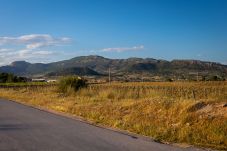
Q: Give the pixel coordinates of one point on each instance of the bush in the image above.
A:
(69, 84)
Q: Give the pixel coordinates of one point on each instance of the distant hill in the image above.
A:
(97, 65)
(81, 71)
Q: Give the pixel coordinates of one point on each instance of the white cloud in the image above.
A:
(4, 50)
(34, 41)
(122, 49)
(29, 47)
(43, 52)
(25, 54)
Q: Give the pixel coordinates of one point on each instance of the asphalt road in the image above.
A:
(24, 128)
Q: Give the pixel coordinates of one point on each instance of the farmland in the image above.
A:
(177, 112)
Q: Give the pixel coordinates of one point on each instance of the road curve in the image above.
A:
(23, 128)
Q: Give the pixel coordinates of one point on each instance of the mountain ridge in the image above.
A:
(98, 65)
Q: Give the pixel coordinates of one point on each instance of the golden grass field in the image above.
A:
(175, 112)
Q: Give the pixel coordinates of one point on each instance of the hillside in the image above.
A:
(97, 65)
(81, 71)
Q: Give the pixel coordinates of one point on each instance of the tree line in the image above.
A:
(11, 78)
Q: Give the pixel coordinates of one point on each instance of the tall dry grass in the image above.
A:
(184, 112)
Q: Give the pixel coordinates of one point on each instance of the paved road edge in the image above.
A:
(123, 132)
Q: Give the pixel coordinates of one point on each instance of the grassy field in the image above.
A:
(21, 84)
(176, 112)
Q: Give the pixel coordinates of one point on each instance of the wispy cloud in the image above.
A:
(31, 47)
(4, 50)
(9, 56)
(122, 49)
(34, 41)
(199, 55)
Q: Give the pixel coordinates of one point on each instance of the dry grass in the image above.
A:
(190, 113)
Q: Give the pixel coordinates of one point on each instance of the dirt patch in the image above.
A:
(225, 105)
(217, 109)
(197, 107)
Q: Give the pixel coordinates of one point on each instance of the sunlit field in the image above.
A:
(176, 112)
(25, 84)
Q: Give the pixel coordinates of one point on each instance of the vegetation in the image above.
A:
(73, 71)
(71, 83)
(10, 78)
(178, 112)
(24, 84)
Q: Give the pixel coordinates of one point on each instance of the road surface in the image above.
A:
(23, 128)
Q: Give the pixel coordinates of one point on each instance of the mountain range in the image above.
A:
(100, 66)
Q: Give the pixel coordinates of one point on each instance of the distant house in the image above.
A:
(51, 81)
(39, 80)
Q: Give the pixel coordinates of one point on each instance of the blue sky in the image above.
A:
(51, 30)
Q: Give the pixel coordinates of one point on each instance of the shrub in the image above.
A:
(72, 83)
